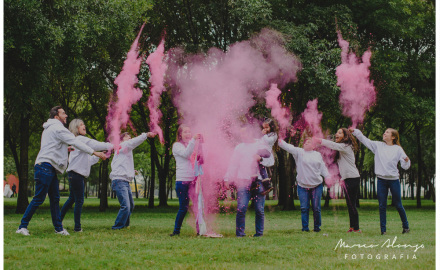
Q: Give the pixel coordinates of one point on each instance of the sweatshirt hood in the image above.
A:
(51, 122)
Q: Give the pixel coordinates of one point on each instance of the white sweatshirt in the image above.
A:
(182, 154)
(80, 162)
(309, 166)
(267, 142)
(346, 161)
(122, 163)
(54, 142)
(243, 165)
(386, 157)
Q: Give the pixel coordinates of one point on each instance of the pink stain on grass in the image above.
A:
(157, 69)
(126, 94)
(280, 113)
(357, 91)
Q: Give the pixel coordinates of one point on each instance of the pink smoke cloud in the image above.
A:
(157, 70)
(126, 94)
(313, 118)
(214, 92)
(280, 113)
(357, 91)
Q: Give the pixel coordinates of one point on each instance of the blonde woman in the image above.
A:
(78, 170)
(387, 154)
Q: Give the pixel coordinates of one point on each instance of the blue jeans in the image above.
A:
(46, 182)
(244, 194)
(125, 198)
(382, 195)
(76, 196)
(313, 195)
(183, 190)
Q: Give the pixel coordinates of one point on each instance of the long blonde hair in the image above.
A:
(74, 125)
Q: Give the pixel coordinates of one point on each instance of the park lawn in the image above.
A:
(146, 244)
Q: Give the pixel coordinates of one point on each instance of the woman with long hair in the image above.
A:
(387, 154)
(183, 148)
(345, 145)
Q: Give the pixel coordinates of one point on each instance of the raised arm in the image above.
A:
(341, 147)
(135, 142)
(97, 145)
(68, 138)
(289, 148)
(372, 145)
(180, 150)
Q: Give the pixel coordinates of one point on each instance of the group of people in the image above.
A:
(246, 170)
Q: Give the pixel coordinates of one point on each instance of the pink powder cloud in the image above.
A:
(280, 113)
(126, 95)
(357, 91)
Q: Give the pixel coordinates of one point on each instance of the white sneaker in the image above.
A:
(23, 231)
(63, 232)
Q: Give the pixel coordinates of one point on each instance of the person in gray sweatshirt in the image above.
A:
(79, 169)
(345, 145)
(52, 159)
(387, 154)
(122, 174)
(310, 168)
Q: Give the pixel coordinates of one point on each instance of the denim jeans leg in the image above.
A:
(70, 201)
(304, 201)
(259, 201)
(42, 175)
(382, 195)
(131, 201)
(120, 187)
(316, 194)
(182, 188)
(243, 197)
(78, 192)
(397, 201)
(54, 198)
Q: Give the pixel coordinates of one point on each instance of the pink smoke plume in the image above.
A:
(313, 118)
(357, 91)
(157, 70)
(280, 113)
(126, 94)
(214, 91)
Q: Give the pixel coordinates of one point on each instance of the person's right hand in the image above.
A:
(351, 130)
(197, 136)
(101, 155)
(70, 149)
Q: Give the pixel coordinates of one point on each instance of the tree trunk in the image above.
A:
(282, 194)
(152, 179)
(135, 188)
(289, 169)
(103, 202)
(22, 200)
(419, 170)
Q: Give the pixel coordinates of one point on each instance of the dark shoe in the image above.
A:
(305, 230)
(405, 231)
(174, 234)
(383, 233)
(317, 230)
(258, 235)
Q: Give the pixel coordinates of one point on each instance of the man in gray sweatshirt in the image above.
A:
(52, 159)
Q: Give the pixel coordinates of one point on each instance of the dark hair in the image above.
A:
(273, 129)
(54, 111)
(123, 135)
(349, 140)
(179, 133)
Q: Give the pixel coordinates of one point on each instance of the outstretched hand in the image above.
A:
(151, 134)
(406, 159)
(70, 149)
(101, 155)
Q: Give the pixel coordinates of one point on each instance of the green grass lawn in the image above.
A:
(146, 244)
